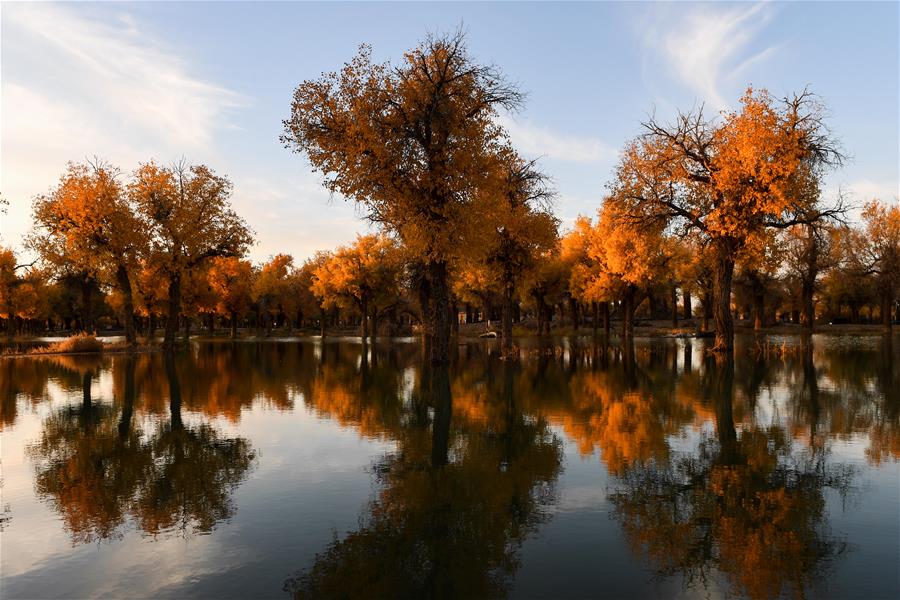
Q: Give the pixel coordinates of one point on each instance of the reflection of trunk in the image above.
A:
(688, 356)
(686, 300)
(128, 398)
(233, 324)
(174, 393)
(127, 303)
(811, 386)
(439, 315)
(174, 311)
(723, 390)
(628, 363)
(364, 318)
(443, 408)
(724, 272)
(86, 390)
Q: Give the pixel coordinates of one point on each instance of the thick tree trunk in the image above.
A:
(374, 332)
(686, 301)
(124, 284)
(174, 311)
(87, 302)
(439, 318)
(724, 273)
(595, 316)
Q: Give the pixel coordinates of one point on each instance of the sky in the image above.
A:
(212, 82)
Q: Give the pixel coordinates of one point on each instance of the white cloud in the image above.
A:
(74, 86)
(864, 190)
(708, 48)
(535, 140)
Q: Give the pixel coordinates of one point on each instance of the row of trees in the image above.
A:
(729, 210)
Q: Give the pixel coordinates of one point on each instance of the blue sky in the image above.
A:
(212, 82)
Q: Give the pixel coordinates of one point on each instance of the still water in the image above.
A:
(296, 468)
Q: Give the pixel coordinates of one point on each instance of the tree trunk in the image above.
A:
(759, 308)
(507, 316)
(604, 309)
(707, 307)
(127, 304)
(686, 300)
(374, 333)
(439, 318)
(364, 319)
(595, 316)
(887, 304)
(187, 328)
(724, 273)
(233, 324)
(323, 324)
(87, 301)
(174, 311)
(674, 306)
(628, 306)
(573, 310)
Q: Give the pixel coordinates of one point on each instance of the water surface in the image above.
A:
(279, 468)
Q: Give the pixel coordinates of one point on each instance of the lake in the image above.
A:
(284, 468)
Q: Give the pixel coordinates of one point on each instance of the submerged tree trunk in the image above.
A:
(174, 311)
(724, 273)
(124, 284)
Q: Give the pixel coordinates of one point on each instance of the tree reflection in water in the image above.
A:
(460, 494)
(98, 469)
(744, 505)
(717, 471)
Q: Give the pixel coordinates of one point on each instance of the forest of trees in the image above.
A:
(705, 219)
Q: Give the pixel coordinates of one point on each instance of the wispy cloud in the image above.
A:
(120, 72)
(709, 47)
(76, 84)
(535, 140)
